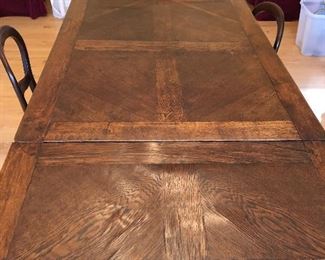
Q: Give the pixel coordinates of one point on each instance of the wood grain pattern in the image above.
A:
(161, 20)
(259, 211)
(150, 145)
(190, 209)
(182, 131)
(113, 7)
(184, 228)
(36, 117)
(287, 91)
(152, 62)
(15, 177)
(158, 46)
(125, 94)
(169, 91)
(55, 154)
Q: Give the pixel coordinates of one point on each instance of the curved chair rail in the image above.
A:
(28, 80)
(278, 14)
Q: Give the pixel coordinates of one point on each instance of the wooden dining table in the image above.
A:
(164, 129)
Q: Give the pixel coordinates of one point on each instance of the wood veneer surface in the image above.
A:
(148, 137)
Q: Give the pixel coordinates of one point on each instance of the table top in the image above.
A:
(165, 71)
(166, 200)
(164, 130)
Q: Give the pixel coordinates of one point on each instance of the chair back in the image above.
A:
(277, 13)
(28, 80)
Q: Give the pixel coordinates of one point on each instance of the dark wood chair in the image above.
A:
(278, 14)
(28, 80)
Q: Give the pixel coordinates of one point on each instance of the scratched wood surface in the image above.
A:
(165, 71)
(172, 200)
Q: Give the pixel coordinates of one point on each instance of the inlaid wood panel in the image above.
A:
(143, 141)
(136, 87)
(172, 201)
(168, 65)
(168, 82)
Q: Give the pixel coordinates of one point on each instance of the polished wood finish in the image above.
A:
(172, 200)
(156, 139)
(168, 153)
(171, 131)
(306, 71)
(96, 81)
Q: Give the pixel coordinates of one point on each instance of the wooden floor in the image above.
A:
(40, 34)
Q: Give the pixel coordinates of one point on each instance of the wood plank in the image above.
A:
(170, 131)
(300, 113)
(36, 117)
(52, 154)
(158, 46)
(15, 177)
